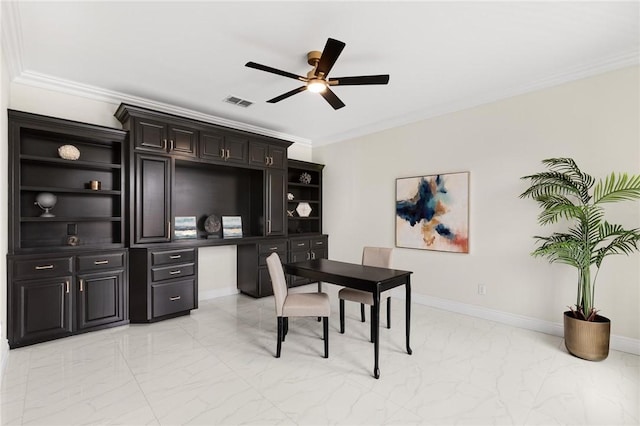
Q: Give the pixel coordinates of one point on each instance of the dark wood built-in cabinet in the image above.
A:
(170, 136)
(166, 283)
(222, 147)
(67, 271)
(109, 252)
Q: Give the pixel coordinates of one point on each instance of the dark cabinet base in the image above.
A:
(52, 296)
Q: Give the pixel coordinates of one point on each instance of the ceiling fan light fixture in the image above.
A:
(316, 85)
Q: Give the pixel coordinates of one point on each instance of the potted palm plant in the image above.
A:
(565, 193)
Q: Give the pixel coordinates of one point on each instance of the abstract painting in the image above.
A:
(432, 212)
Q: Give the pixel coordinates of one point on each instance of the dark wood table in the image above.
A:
(367, 278)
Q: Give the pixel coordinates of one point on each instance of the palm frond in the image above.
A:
(615, 188)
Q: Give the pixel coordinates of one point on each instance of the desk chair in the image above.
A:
(296, 304)
(371, 256)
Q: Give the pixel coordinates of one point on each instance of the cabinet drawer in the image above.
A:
(280, 246)
(319, 243)
(298, 245)
(173, 271)
(172, 256)
(173, 297)
(96, 262)
(43, 267)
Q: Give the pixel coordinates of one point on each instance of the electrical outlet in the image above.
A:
(482, 289)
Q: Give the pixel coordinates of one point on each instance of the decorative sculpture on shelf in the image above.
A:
(46, 201)
(305, 178)
(68, 152)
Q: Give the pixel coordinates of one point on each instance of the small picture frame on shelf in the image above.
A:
(185, 228)
(231, 227)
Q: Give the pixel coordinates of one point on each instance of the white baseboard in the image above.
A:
(619, 343)
(219, 292)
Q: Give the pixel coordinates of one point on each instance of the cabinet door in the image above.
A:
(275, 203)
(212, 146)
(278, 156)
(150, 135)
(41, 309)
(100, 298)
(258, 153)
(182, 140)
(152, 199)
(236, 149)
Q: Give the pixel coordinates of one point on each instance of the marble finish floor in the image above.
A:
(217, 366)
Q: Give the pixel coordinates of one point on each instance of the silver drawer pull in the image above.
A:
(300, 244)
(38, 268)
(319, 243)
(273, 248)
(175, 256)
(101, 262)
(174, 298)
(176, 272)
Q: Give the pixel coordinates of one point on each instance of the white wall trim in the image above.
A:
(220, 292)
(44, 81)
(611, 63)
(619, 343)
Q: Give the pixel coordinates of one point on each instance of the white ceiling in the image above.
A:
(441, 56)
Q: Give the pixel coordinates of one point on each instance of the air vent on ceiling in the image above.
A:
(238, 101)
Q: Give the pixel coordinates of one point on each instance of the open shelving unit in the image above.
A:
(93, 217)
(302, 192)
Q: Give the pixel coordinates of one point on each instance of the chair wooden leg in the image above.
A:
(342, 316)
(280, 326)
(362, 312)
(388, 312)
(325, 331)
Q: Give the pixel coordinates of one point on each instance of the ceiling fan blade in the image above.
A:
(330, 54)
(360, 80)
(331, 97)
(274, 71)
(286, 95)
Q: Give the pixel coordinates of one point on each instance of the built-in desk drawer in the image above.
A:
(279, 246)
(98, 262)
(172, 271)
(173, 297)
(299, 245)
(43, 267)
(166, 257)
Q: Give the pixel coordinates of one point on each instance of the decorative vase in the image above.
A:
(587, 339)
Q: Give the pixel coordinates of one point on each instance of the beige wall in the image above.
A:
(596, 121)
(4, 185)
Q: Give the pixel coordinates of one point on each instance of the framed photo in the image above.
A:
(432, 212)
(231, 227)
(185, 228)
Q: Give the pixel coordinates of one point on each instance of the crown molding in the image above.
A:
(48, 82)
(11, 37)
(611, 63)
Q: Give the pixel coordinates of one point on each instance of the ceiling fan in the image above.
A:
(317, 80)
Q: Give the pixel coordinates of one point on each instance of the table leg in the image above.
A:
(375, 320)
(408, 311)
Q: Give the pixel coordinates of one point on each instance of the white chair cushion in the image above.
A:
(306, 305)
(360, 296)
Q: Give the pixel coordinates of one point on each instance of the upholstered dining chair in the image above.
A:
(371, 256)
(296, 304)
